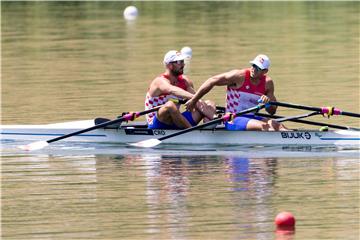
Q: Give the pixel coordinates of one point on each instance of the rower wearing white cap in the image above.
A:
(245, 88)
(173, 84)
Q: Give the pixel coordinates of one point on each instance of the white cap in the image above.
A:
(172, 56)
(262, 61)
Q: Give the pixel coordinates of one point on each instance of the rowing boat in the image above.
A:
(105, 130)
(136, 131)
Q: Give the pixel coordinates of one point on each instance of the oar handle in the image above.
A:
(283, 119)
(323, 110)
(225, 118)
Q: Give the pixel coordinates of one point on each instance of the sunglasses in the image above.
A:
(256, 68)
(178, 62)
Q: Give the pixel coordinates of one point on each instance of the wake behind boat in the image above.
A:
(135, 132)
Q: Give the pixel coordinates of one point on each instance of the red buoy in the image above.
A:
(285, 220)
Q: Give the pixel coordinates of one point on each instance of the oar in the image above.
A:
(306, 122)
(297, 119)
(227, 117)
(221, 109)
(324, 110)
(283, 119)
(127, 117)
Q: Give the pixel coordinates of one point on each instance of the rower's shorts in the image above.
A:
(157, 124)
(240, 123)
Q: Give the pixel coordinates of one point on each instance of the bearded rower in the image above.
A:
(173, 84)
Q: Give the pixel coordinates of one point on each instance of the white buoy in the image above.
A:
(130, 13)
(187, 51)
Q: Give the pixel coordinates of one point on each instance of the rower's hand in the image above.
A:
(264, 99)
(190, 105)
(269, 108)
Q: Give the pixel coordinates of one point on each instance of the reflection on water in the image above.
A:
(254, 180)
(40, 194)
(167, 188)
(172, 197)
(9, 148)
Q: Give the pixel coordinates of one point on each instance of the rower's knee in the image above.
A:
(276, 126)
(170, 107)
(209, 110)
(210, 104)
(265, 126)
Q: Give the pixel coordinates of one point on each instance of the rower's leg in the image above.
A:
(209, 111)
(258, 125)
(276, 126)
(265, 125)
(204, 110)
(170, 114)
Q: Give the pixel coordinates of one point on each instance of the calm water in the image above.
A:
(69, 61)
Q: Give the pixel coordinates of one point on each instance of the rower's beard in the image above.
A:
(177, 72)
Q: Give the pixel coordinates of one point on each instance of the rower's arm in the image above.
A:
(223, 79)
(167, 88)
(270, 89)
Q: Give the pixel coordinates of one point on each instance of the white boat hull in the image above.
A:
(130, 134)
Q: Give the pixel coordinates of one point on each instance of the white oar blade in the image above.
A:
(147, 143)
(34, 146)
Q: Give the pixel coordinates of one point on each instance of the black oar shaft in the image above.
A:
(283, 119)
(223, 118)
(350, 114)
(126, 117)
(297, 120)
(325, 110)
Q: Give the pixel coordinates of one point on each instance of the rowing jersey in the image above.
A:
(151, 102)
(246, 96)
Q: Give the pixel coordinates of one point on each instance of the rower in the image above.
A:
(173, 84)
(245, 88)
